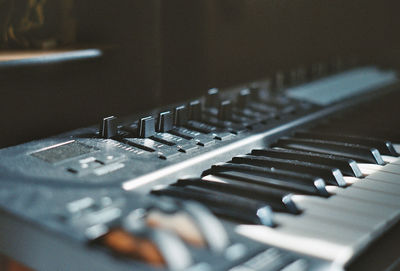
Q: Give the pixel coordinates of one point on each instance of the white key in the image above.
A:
(368, 169)
(302, 241)
(385, 177)
(366, 195)
(392, 168)
(351, 180)
(343, 216)
(350, 205)
(375, 185)
(397, 162)
(320, 226)
(396, 147)
(389, 159)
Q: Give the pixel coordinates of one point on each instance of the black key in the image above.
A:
(300, 181)
(331, 176)
(233, 207)
(383, 146)
(352, 151)
(317, 188)
(346, 166)
(278, 200)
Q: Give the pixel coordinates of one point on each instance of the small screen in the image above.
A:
(62, 152)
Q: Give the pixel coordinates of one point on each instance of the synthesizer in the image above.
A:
(272, 175)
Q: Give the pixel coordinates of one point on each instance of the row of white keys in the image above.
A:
(342, 224)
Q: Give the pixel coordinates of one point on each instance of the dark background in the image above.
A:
(157, 52)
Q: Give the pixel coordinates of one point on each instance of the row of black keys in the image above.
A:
(250, 187)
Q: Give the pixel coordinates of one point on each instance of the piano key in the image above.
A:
(392, 168)
(383, 146)
(370, 196)
(368, 169)
(316, 188)
(331, 176)
(359, 220)
(352, 151)
(385, 177)
(351, 205)
(233, 207)
(322, 226)
(278, 200)
(294, 179)
(376, 185)
(350, 180)
(346, 166)
(339, 215)
(302, 241)
(396, 162)
(396, 147)
(388, 159)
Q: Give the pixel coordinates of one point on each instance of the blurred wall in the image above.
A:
(157, 52)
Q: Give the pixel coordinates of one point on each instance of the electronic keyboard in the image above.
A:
(271, 175)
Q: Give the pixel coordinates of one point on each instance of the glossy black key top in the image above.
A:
(352, 151)
(347, 166)
(331, 176)
(278, 200)
(233, 207)
(315, 189)
(383, 146)
(296, 180)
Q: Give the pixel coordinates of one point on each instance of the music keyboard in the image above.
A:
(244, 179)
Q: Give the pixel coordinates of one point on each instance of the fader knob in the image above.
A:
(165, 122)
(225, 110)
(195, 110)
(146, 127)
(109, 127)
(212, 98)
(278, 82)
(243, 98)
(181, 115)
